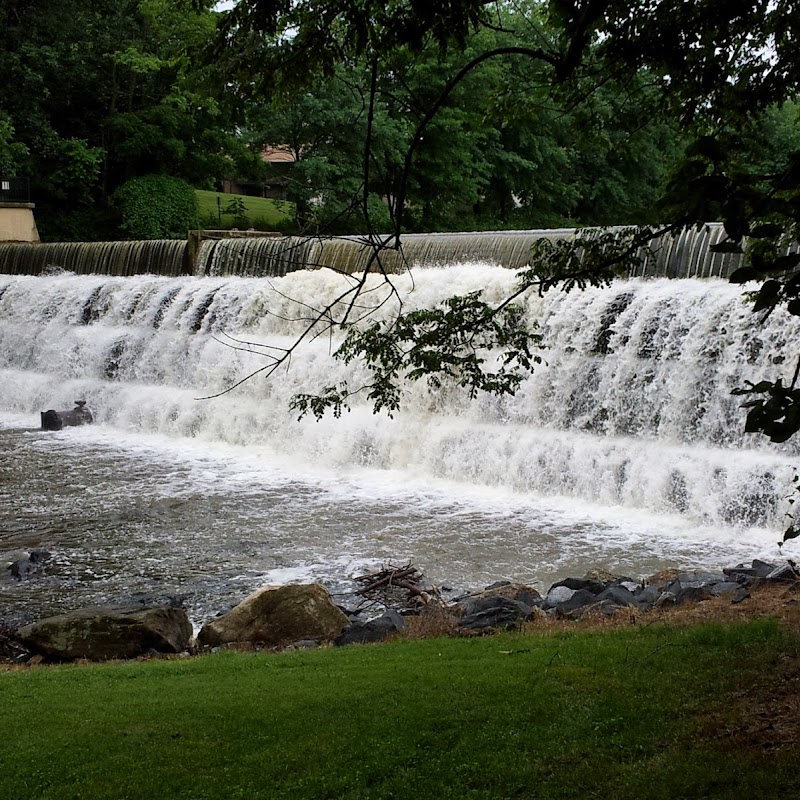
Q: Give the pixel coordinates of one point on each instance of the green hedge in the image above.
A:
(156, 207)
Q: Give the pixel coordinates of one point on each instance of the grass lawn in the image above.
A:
(261, 213)
(649, 712)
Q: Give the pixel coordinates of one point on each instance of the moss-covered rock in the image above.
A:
(277, 616)
(101, 633)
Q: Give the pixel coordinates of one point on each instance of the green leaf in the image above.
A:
(768, 229)
(793, 307)
(768, 295)
(787, 262)
(743, 275)
(791, 533)
(707, 147)
(727, 246)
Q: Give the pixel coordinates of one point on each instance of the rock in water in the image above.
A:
(277, 616)
(101, 633)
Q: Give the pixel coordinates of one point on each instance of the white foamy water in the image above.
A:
(625, 450)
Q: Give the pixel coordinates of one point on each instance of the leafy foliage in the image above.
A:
(96, 92)
(235, 208)
(11, 153)
(156, 207)
(447, 344)
(503, 150)
(776, 413)
(793, 531)
(460, 342)
(314, 36)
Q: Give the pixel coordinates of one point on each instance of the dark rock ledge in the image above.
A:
(300, 616)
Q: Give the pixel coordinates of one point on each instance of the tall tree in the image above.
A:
(504, 149)
(100, 91)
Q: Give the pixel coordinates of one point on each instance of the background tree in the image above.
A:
(504, 150)
(101, 91)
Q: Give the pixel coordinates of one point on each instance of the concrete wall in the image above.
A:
(17, 223)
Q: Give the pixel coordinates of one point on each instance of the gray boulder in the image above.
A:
(698, 578)
(510, 591)
(486, 613)
(692, 594)
(645, 598)
(558, 595)
(375, 630)
(589, 584)
(785, 572)
(618, 595)
(741, 574)
(579, 599)
(762, 568)
(664, 599)
(740, 595)
(724, 587)
(277, 616)
(101, 633)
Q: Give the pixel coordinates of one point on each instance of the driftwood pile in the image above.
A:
(395, 587)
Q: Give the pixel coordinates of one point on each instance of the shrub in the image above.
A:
(156, 207)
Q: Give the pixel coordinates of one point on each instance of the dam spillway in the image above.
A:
(687, 254)
(643, 366)
(625, 448)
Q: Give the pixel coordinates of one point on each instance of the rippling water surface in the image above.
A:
(129, 518)
(625, 449)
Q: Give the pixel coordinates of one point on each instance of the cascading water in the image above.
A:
(164, 257)
(625, 449)
(687, 254)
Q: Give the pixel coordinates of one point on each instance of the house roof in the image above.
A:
(278, 155)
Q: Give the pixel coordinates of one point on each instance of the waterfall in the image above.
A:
(163, 256)
(632, 407)
(685, 255)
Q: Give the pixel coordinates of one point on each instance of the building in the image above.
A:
(280, 161)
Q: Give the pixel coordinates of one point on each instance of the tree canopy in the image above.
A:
(523, 113)
(97, 92)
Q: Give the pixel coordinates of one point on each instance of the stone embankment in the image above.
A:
(289, 617)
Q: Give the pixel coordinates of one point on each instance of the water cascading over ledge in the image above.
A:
(632, 408)
(159, 257)
(687, 255)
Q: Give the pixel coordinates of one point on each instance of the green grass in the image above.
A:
(592, 715)
(262, 213)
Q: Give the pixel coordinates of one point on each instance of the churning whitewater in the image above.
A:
(625, 448)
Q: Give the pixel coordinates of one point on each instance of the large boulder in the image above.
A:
(589, 584)
(501, 605)
(101, 633)
(277, 616)
(510, 591)
(486, 613)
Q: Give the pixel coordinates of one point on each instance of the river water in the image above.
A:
(624, 450)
